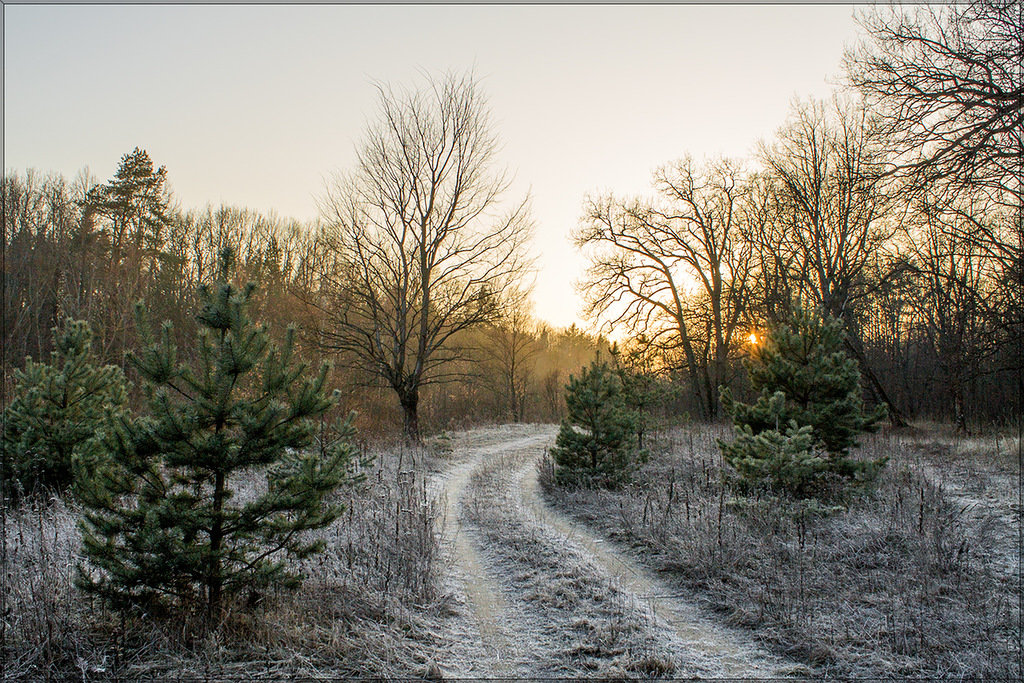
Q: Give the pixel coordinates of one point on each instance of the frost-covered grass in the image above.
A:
(912, 580)
(369, 607)
(919, 578)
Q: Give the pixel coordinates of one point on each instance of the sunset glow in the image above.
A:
(245, 121)
(426, 341)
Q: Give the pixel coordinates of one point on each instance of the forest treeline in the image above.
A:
(924, 277)
(84, 250)
(894, 207)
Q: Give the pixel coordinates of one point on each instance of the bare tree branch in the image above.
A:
(652, 266)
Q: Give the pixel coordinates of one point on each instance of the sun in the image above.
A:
(752, 337)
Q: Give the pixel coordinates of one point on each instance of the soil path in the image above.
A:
(725, 652)
(492, 642)
(990, 506)
(980, 476)
(545, 596)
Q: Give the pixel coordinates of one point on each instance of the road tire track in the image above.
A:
(722, 651)
(492, 643)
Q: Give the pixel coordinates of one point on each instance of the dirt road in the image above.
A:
(542, 596)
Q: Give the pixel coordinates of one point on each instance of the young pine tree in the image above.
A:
(806, 381)
(58, 410)
(643, 391)
(596, 443)
(166, 522)
(785, 460)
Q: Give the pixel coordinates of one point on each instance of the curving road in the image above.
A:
(544, 596)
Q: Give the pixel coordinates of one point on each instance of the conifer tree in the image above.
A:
(808, 387)
(595, 445)
(135, 202)
(132, 216)
(784, 460)
(642, 390)
(167, 522)
(58, 409)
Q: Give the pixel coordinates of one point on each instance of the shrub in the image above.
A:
(808, 415)
(162, 526)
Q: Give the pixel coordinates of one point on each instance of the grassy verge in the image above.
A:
(370, 606)
(906, 582)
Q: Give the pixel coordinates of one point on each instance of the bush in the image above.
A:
(162, 525)
(808, 415)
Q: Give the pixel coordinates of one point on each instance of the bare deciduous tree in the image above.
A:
(510, 352)
(947, 81)
(826, 167)
(646, 259)
(39, 219)
(957, 295)
(420, 242)
(829, 213)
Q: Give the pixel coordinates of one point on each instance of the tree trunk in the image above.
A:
(959, 413)
(691, 363)
(896, 418)
(215, 579)
(693, 375)
(513, 398)
(706, 393)
(409, 399)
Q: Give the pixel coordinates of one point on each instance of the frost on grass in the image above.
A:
(369, 607)
(589, 626)
(910, 580)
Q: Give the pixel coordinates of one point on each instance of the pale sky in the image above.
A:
(256, 105)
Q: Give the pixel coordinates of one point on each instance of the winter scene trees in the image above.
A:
(561, 366)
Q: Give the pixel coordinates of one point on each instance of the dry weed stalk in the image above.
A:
(367, 608)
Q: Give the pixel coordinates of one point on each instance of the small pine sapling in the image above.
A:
(595, 445)
(808, 386)
(167, 522)
(783, 460)
(58, 409)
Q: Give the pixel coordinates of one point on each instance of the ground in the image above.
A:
(461, 560)
(545, 596)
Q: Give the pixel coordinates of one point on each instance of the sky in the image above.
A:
(258, 106)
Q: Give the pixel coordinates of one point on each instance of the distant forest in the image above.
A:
(79, 249)
(895, 207)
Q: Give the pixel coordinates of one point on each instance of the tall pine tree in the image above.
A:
(58, 410)
(135, 203)
(165, 522)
